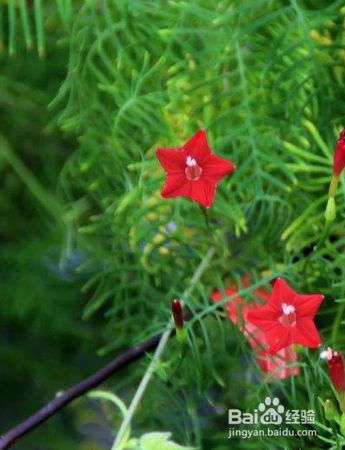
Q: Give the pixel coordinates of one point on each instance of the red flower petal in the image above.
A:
(217, 296)
(198, 147)
(255, 336)
(265, 317)
(173, 160)
(215, 168)
(278, 337)
(307, 305)
(282, 293)
(175, 185)
(262, 294)
(281, 364)
(202, 191)
(306, 333)
(235, 310)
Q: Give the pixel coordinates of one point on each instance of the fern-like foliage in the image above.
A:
(27, 22)
(266, 79)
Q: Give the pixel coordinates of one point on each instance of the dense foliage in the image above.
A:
(91, 255)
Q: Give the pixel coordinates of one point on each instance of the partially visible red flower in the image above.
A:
(339, 154)
(193, 170)
(279, 365)
(287, 318)
(336, 369)
(338, 166)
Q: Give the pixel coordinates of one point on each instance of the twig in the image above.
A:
(66, 397)
(164, 339)
(77, 390)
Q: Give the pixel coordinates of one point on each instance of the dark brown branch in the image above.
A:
(76, 391)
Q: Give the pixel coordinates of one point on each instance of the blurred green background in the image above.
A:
(91, 256)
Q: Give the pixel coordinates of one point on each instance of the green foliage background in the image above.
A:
(91, 256)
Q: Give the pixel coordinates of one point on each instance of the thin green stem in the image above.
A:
(142, 387)
(24, 15)
(158, 353)
(47, 200)
(319, 245)
(39, 22)
(324, 236)
(337, 323)
(335, 434)
(206, 217)
(341, 400)
(12, 24)
(2, 45)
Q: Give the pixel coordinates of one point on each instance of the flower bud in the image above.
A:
(336, 370)
(330, 410)
(177, 311)
(339, 154)
(338, 167)
(330, 212)
(337, 374)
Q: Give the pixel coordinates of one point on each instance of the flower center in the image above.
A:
(288, 318)
(193, 170)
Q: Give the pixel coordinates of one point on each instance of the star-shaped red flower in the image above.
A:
(283, 363)
(288, 318)
(193, 170)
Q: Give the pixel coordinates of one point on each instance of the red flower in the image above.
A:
(335, 368)
(287, 318)
(339, 154)
(281, 364)
(193, 170)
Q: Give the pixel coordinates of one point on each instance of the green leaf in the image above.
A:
(160, 441)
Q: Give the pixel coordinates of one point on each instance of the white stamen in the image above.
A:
(288, 309)
(190, 161)
(328, 354)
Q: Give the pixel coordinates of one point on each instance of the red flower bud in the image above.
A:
(339, 154)
(336, 369)
(177, 312)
